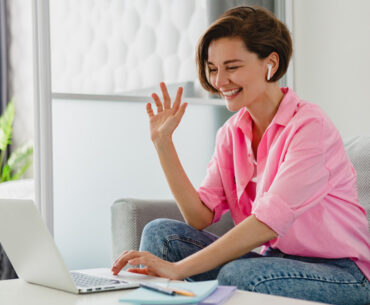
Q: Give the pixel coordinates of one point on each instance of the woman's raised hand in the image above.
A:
(168, 117)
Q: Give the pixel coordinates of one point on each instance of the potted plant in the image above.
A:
(11, 168)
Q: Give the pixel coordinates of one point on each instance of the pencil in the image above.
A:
(184, 292)
(167, 290)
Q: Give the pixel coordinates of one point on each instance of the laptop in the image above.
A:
(35, 257)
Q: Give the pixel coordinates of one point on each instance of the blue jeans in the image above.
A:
(333, 281)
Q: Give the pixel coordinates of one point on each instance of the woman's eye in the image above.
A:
(232, 68)
(212, 70)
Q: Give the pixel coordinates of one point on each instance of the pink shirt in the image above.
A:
(306, 185)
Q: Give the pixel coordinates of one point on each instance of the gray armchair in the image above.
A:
(130, 215)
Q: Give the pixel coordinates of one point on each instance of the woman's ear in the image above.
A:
(273, 65)
(269, 67)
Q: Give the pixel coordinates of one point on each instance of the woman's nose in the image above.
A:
(221, 79)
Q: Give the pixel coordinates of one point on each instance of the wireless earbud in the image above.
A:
(269, 67)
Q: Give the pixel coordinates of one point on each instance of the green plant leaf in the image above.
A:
(19, 161)
(6, 122)
(5, 174)
(18, 174)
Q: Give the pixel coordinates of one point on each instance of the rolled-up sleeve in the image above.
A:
(211, 191)
(301, 181)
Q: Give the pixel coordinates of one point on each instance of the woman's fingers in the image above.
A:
(166, 96)
(177, 102)
(120, 257)
(123, 259)
(117, 266)
(157, 102)
(139, 270)
(166, 101)
(153, 265)
(149, 110)
(179, 114)
(141, 260)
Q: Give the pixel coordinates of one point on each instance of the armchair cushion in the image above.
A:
(129, 216)
(358, 150)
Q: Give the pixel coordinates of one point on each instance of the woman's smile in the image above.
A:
(231, 93)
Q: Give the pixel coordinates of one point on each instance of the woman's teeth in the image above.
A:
(231, 92)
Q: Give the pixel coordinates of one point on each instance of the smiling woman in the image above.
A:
(279, 167)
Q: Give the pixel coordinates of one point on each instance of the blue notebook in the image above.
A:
(146, 296)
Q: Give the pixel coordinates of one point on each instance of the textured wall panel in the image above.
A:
(104, 46)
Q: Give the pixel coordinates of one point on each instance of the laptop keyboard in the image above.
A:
(85, 280)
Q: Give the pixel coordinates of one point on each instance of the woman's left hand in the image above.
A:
(153, 265)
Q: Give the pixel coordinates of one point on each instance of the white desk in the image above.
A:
(18, 292)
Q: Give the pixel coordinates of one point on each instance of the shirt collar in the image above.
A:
(287, 109)
(244, 122)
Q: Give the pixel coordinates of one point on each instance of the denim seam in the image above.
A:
(305, 278)
(174, 237)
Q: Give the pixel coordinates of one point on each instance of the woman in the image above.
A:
(279, 167)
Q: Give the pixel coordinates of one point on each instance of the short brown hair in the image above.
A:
(261, 32)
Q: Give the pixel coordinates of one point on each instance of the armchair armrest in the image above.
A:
(130, 215)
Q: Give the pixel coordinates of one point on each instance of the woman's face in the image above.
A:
(237, 74)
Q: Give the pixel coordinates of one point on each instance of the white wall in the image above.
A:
(332, 62)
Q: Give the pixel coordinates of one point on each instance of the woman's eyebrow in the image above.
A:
(231, 61)
(227, 61)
